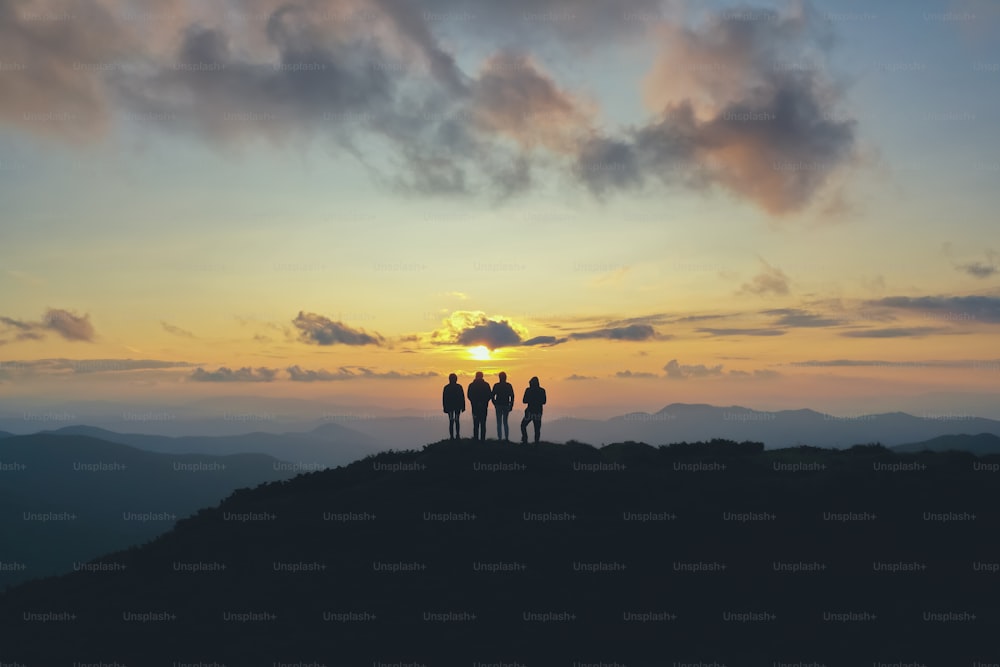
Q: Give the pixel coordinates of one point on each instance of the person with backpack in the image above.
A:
(479, 394)
(503, 403)
(534, 397)
(453, 401)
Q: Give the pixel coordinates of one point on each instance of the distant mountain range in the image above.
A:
(339, 441)
(326, 445)
(981, 444)
(65, 499)
(466, 553)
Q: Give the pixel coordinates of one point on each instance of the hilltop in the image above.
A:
(465, 552)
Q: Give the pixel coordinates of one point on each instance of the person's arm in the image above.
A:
(444, 398)
(542, 391)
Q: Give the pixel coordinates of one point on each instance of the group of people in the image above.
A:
(501, 395)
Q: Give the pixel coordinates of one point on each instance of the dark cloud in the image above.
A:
(741, 332)
(472, 328)
(66, 323)
(381, 76)
(676, 371)
(321, 330)
(175, 330)
(794, 317)
(770, 280)
(978, 269)
(491, 334)
(758, 130)
(69, 325)
(632, 332)
(298, 374)
(894, 332)
(544, 341)
(575, 376)
(955, 308)
(224, 374)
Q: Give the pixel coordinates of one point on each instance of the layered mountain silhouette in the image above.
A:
(329, 444)
(69, 498)
(343, 438)
(465, 553)
(982, 444)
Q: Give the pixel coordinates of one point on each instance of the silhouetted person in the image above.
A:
(534, 397)
(453, 401)
(503, 403)
(479, 397)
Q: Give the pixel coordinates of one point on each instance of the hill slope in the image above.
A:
(66, 499)
(466, 552)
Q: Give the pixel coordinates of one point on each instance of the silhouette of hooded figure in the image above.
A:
(453, 401)
(479, 397)
(534, 397)
(503, 403)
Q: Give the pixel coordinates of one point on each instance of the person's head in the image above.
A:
(452, 379)
(533, 382)
(503, 376)
(479, 375)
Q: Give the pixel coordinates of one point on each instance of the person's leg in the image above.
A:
(499, 424)
(458, 424)
(524, 429)
(506, 427)
(538, 427)
(451, 425)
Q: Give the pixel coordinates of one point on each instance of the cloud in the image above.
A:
(65, 323)
(177, 331)
(878, 363)
(794, 317)
(61, 366)
(770, 280)
(638, 374)
(298, 374)
(378, 82)
(69, 325)
(575, 376)
(978, 269)
(954, 308)
(757, 374)
(225, 374)
(632, 332)
(321, 330)
(676, 371)
(731, 116)
(513, 98)
(491, 333)
(893, 332)
(741, 332)
(474, 328)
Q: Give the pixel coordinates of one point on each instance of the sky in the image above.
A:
(776, 205)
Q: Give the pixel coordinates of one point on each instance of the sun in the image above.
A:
(479, 353)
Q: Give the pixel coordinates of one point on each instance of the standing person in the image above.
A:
(479, 396)
(503, 403)
(534, 397)
(453, 401)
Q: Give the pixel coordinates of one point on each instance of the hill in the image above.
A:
(466, 552)
(981, 444)
(67, 499)
(326, 445)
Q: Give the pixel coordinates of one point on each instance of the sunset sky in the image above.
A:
(777, 205)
